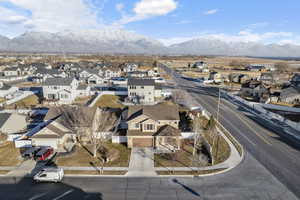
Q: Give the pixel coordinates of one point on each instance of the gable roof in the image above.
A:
(3, 118)
(72, 116)
(168, 130)
(290, 92)
(156, 112)
(58, 81)
(141, 82)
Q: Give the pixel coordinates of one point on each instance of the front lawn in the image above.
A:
(193, 173)
(9, 155)
(27, 102)
(181, 158)
(109, 101)
(83, 157)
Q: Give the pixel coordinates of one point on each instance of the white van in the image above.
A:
(49, 175)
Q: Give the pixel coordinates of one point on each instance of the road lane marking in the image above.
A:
(64, 194)
(245, 123)
(37, 196)
(233, 126)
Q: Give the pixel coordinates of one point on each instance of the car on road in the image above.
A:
(49, 175)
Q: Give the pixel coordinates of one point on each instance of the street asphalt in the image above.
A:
(276, 150)
(249, 180)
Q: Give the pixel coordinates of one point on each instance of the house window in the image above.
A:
(149, 127)
(142, 87)
(137, 125)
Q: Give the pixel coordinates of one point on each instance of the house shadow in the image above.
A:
(26, 188)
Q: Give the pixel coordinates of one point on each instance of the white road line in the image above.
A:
(64, 194)
(37, 196)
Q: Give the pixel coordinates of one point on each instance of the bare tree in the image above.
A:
(104, 121)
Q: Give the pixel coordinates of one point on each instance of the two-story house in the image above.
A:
(143, 90)
(154, 126)
(62, 90)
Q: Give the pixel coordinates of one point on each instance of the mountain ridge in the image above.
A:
(118, 41)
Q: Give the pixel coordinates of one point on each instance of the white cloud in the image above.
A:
(211, 12)
(242, 36)
(119, 7)
(145, 9)
(54, 15)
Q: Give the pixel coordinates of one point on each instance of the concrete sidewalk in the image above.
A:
(141, 162)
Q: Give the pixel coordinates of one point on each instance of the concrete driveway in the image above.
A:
(141, 162)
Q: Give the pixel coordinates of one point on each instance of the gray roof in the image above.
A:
(5, 87)
(290, 92)
(3, 118)
(141, 82)
(58, 81)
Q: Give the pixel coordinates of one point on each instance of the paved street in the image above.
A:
(277, 151)
(257, 184)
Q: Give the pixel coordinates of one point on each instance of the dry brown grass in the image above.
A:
(85, 172)
(9, 155)
(83, 157)
(82, 100)
(32, 100)
(109, 101)
(3, 172)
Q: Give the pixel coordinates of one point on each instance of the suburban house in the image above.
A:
(239, 78)
(111, 72)
(255, 90)
(290, 95)
(295, 80)
(129, 67)
(216, 77)
(143, 90)
(67, 124)
(137, 74)
(256, 68)
(201, 65)
(62, 90)
(12, 71)
(274, 78)
(41, 74)
(12, 123)
(154, 126)
(6, 89)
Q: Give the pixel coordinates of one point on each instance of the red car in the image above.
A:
(43, 154)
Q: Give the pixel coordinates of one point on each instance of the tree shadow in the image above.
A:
(186, 188)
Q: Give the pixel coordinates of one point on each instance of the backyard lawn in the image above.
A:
(83, 157)
(109, 101)
(9, 155)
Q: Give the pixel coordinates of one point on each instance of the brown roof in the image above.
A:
(156, 112)
(168, 130)
(72, 116)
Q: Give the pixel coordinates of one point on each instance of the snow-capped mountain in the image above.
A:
(216, 47)
(125, 42)
(103, 41)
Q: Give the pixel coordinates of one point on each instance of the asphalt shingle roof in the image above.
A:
(58, 81)
(3, 118)
(142, 82)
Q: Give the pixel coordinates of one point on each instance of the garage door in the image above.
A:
(50, 143)
(142, 142)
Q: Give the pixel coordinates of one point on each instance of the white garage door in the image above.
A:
(51, 143)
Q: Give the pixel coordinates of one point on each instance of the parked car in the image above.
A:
(31, 152)
(43, 154)
(49, 175)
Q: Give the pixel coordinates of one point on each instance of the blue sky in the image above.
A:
(170, 21)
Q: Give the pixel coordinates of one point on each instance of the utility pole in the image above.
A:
(217, 135)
